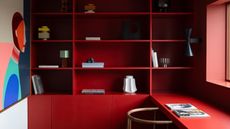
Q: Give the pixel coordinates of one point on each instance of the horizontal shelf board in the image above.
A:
(114, 68)
(111, 13)
(51, 69)
(115, 93)
(53, 93)
(168, 41)
(170, 13)
(112, 41)
(51, 41)
(54, 14)
(170, 68)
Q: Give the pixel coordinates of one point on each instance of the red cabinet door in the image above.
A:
(39, 112)
(63, 112)
(93, 112)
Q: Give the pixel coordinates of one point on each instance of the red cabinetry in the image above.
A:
(122, 55)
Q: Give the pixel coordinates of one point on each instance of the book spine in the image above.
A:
(34, 85)
(156, 60)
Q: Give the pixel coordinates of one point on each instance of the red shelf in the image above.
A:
(168, 41)
(51, 69)
(52, 41)
(217, 119)
(47, 14)
(111, 13)
(170, 13)
(114, 93)
(112, 41)
(171, 68)
(114, 68)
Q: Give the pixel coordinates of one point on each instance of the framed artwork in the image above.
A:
(14, 52)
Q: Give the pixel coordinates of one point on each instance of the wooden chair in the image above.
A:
(144, 121)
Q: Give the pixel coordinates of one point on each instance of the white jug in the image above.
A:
(129, 85)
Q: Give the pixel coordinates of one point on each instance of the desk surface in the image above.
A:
(217, 120)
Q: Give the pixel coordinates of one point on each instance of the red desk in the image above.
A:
(217, 120)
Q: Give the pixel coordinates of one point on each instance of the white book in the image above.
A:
(48, 66)
(93, 65)
(37, 84)
(92, 38)
(154, 59)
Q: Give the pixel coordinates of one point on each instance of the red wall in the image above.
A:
(217, 95)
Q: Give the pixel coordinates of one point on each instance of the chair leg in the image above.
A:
(129, 122)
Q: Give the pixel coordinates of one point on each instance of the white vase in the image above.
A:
(129, 85)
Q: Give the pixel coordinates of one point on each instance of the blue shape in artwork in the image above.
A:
(12, 90)
(12, 87)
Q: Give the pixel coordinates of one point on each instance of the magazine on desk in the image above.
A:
(186, 110)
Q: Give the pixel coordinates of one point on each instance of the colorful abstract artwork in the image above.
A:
(14, 52)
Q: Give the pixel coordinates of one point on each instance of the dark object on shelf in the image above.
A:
(189, 40)
(90, 60)
(37, 84)
(162, 5)
(131, 30)
(64, 55)
(64, 5)
(90, 8)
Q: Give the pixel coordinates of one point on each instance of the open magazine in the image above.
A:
(186, 110)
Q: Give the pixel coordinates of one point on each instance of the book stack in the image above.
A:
(48, 66)
(92, 38)
(93, 91)
(37, 84)
(186, 110)
(93, 65)
(154, 59)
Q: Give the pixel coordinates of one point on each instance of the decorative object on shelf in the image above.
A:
(165, 62)
(131, 30)
(154, 59)
(93, 91)
(90, 60)
(92, 38)
(162, 5)
(43, 32)
(91, 64)
(129, 85)
(64, 55)
(64, 5)
(37, 84)
(189, 40)
(90, 8)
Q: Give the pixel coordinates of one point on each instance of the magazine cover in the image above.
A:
(190, 113)
(175, 106)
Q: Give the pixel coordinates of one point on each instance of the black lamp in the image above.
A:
(189, 40)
